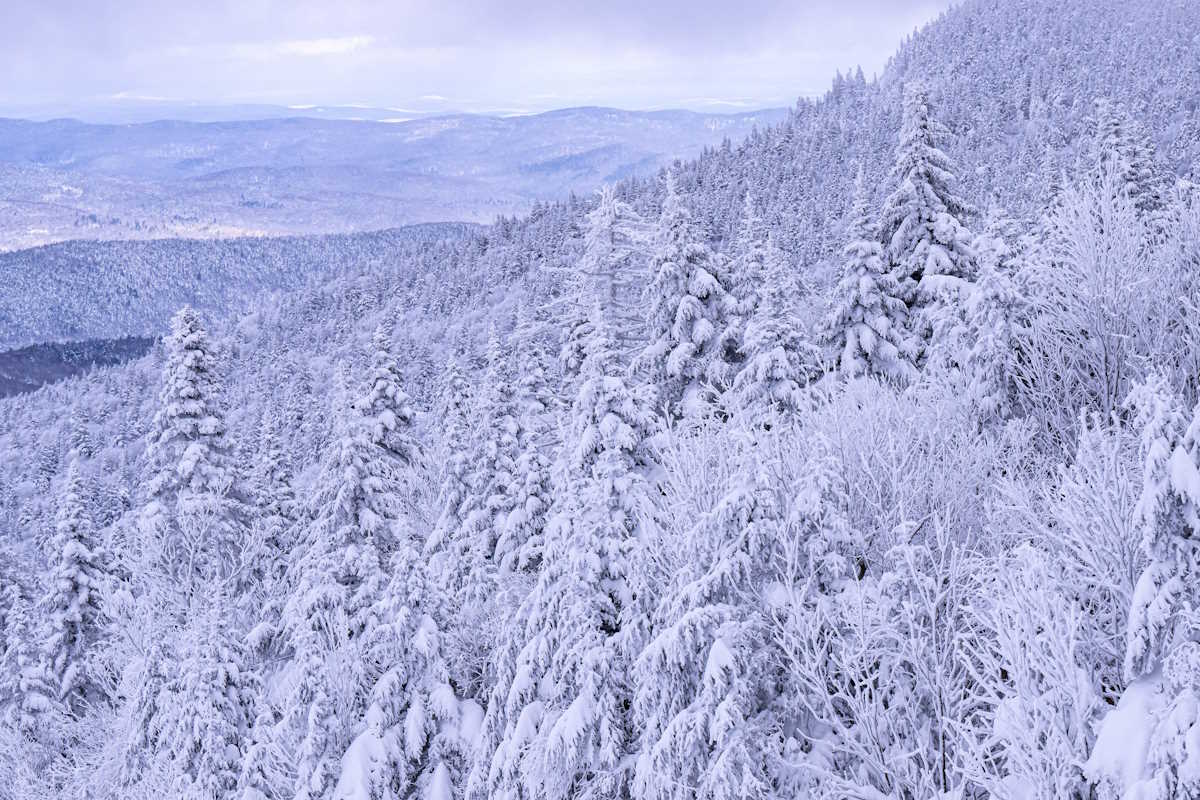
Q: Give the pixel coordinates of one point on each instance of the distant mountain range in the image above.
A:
(65, 179)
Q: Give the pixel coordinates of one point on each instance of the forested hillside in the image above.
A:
(860, 459)
(82, 290)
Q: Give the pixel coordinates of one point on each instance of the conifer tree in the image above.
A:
(746, 281)
(71, 608)
(685, 305)
(410, 743)
(386, 407)
(205, 725)
(557, 724)
(191, 522)
(1162, 700)
(1122, 146)
(991, 324)
(521, 538)
(700, 681)
(713, 699)
(33, 691)
(341, 573)
(494, 479)
(274, 539)
(455, 408)
(260, 768)
(865, 331)
(779, 361)
(925, 241)
(605, 273)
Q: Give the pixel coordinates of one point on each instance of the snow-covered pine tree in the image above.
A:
(411, 742)
(386, 407)
(1119, 144)
(685, 309)
(745, 278)
(607, 271)
(192, 519)
(926, 243)
(494, 478)
(71, 609)
(332, 611)
(700, 682)
(32, 690)
(779, 359)
(865, 332)
(1161, 704)
(714, 703)
(521, 537)
(557, 723)
(455, 409)
(991, 323)
(260, 765)
(273, 538)
(205, 724)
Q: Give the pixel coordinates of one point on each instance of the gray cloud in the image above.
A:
(429, 54)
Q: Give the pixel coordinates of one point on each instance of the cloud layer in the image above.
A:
(519, 55)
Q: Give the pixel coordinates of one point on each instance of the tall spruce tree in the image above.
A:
(522, 533)
(779, 360)
(745, 283)
(557, 723)
(926, 243)
(205, 725)
(332, 611)
(685, 309)
(192, 519)
(410, 742)
(865, 331)
(607, 272)
(72, 606)
(1162, 700)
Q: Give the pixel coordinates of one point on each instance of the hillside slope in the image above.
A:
(809, 504)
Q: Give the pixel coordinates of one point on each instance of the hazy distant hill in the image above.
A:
(65, 179)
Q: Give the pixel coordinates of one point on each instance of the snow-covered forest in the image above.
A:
(859, 460)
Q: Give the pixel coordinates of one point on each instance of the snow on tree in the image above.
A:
(32, 688)
(494, 479)
(386, 407)
(1160, 708)
(779, 359)
(191, 522)
(1119, 144)
(744, 277)
(764, 528)
(991, 324)
(521, 536)
(332, 610)
(926, 244)
(700, 682)
(557, 723)
(456, 411)
(411, 742)
(272, 539)
(685, 308)
(260, 764)
(71, 608)
(205, 722)
(865, 332)
(1035, 730)
(606, 272)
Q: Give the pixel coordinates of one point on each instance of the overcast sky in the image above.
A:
(431, 55)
